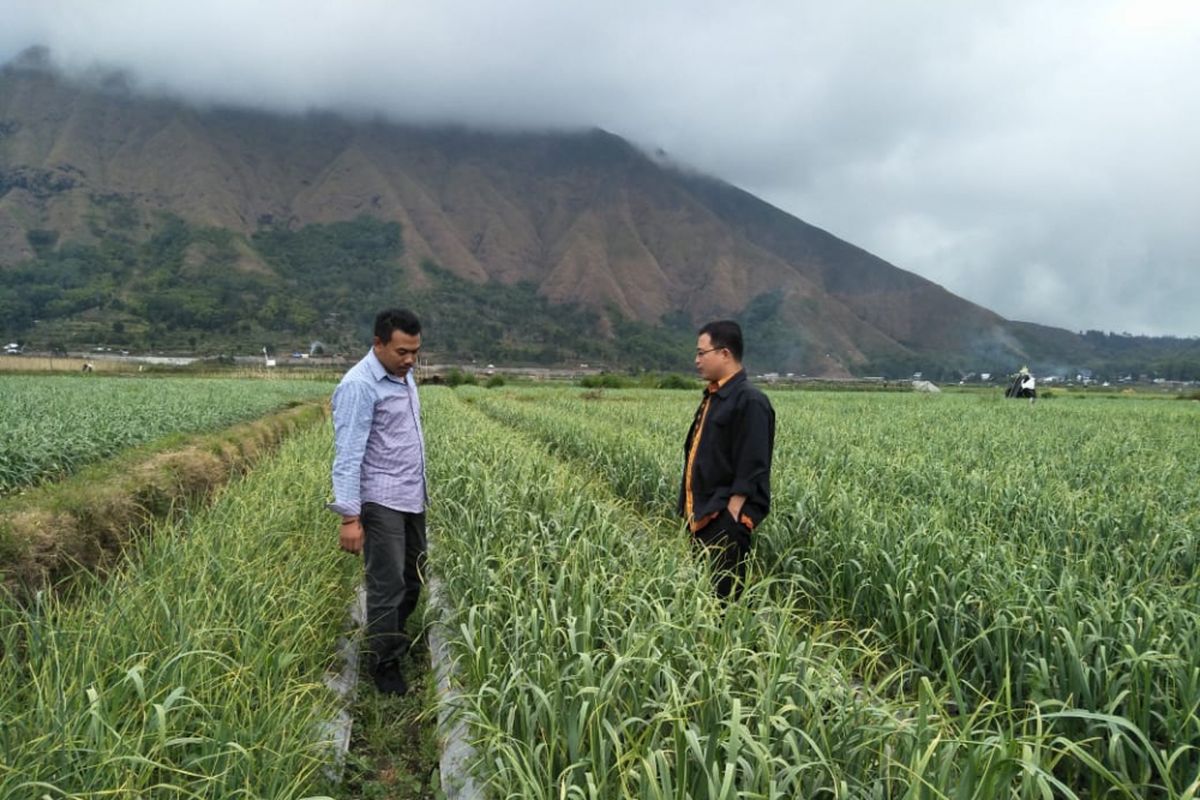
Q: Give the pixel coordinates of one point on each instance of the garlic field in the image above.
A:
(954, 597)
(52, 425)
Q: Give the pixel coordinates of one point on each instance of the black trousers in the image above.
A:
(727, 543)
(394, 563)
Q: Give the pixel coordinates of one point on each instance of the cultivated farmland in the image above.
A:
(955, 597)
(196, 670)
(54, 425)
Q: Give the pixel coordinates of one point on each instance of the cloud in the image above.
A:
(1036, 158)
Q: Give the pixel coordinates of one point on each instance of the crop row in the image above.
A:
(196, 670)
(1039, 563)
(952, 598)
(594, 661)
(53, 425)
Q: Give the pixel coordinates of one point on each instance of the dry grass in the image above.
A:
(64, 364)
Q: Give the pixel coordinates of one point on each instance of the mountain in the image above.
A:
(149, 220)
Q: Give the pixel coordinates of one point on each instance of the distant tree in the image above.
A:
(605, 380)
(457, 377)
(677, 381)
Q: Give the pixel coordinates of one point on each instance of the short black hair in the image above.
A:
(390, 320)
(724, 333)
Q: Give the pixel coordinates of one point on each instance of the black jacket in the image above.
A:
(734, 456)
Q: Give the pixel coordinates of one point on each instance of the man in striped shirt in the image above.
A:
(726, 487)
(379, 486)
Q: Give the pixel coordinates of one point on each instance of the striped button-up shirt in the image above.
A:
(379, 446)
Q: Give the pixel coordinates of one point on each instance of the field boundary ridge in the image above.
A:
(85, 521)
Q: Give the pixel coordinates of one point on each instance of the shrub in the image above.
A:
(605, 380)
(456, 377)
(676, 381)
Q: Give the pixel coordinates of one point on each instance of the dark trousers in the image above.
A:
(727, 543)
(394, 562)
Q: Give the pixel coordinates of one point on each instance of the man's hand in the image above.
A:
(351, 535)
(734, 506)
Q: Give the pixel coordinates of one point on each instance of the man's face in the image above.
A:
(399, 353)
(711, 362)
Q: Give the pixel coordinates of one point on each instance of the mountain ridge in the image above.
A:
(585, 218)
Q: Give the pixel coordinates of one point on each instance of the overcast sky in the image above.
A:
(1041, 159)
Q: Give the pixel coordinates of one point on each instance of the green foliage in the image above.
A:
(606, 380)
(346, 271)
(676, 381)
(456, 377)
(145, 286)
(496, 322)
(185, 287)
(770, 339)
(196, 670)
(1111, 355)
(41, 240)
(610, 380)
(951, 599)
(54, 425)
(668, 345)
(932, 367)
(184, 284)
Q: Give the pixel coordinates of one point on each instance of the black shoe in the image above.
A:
(388, 679)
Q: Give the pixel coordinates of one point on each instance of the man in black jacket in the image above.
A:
(726, 491)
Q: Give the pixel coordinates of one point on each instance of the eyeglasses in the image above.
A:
(706, 352)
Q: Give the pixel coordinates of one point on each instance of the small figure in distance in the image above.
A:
(1022, 385)
(1028, 385)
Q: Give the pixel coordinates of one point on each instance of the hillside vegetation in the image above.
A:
(131, 219)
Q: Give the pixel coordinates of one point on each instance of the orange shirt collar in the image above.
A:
(715, 386)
